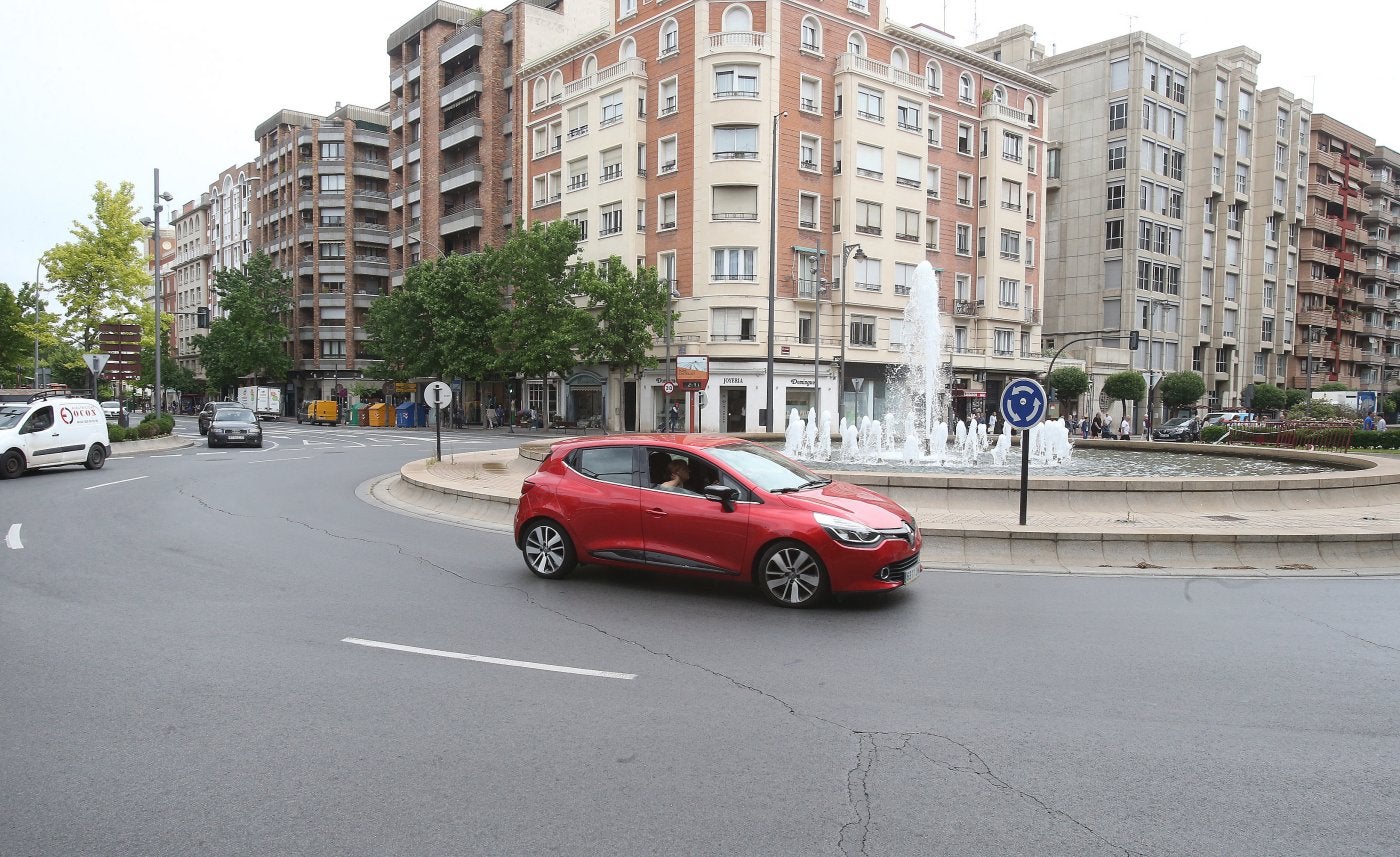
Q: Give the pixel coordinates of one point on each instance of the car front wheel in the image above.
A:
(548, 550)
(12, 464)
(97, 456)
(791, 575)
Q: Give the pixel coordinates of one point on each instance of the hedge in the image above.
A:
(151, 426)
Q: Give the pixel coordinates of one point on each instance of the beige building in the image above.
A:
(1175, 194)
(663, 131)
(193, 277)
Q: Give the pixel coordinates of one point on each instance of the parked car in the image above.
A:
(712, 506)
(206, 413)
(235, 425)
(52, 429)
(112, 410)
(1178, 428)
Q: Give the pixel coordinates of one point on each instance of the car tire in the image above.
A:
(792, 575)
(96, 457)
(258, 445)
(548, 550)
(212, 444)
(12, 464)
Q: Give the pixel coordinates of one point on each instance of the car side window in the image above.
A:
(40, 420)
(606, 464)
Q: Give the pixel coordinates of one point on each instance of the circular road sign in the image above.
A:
(437, 394)
(1023, 403)
(669, 387)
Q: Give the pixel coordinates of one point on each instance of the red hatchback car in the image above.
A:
(712, 506)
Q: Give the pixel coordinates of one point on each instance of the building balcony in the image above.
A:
(460, 87)
(374, 266)
(991, 110)
(467, 38)
(633, 67)
(371, 200)
(966, 308)
(372, 233)
(330, 266)
(461, 217)
(724, 43)
(366, 137)
(371, 169)
(463, 130)
(469, 173)
(883, 72)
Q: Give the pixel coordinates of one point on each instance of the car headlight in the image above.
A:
(847, 532)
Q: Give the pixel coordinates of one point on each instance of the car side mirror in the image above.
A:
(722, 494)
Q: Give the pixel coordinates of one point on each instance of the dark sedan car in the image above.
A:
(1181, 428)
(206, 413)
(235, 425)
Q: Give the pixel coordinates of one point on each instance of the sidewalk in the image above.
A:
(480, 490)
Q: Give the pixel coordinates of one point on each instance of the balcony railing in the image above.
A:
(741, 41)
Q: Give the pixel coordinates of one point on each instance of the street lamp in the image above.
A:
(38, 318)
(154, 224)
(1151, 325)
(1312, 337)
(772, 268)
(846, 251)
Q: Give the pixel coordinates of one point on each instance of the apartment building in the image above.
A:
(671, 136)
(231, 234)
(1175, 189)
(322, 215)
(192, 275)
(1350, 324)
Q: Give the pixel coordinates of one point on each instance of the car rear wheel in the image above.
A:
(548, 550)
(791, 575)
(12, 464)
(97, 456)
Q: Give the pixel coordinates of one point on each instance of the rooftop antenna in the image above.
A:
(1131, 19)
(974, 20)
(1181, 40)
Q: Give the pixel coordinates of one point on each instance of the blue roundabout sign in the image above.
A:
(1023, 403)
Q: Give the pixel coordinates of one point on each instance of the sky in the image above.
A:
(112, 89)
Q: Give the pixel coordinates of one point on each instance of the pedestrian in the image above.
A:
(1380, 424)
(1369, 424)
(500, 415)
(991, 424)
(1096, 427)
(673, 417)
(1124, 429)
(490, 416)
(1084, 427)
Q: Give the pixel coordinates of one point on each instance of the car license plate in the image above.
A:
(912, 574)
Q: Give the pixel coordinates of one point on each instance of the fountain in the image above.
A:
(915, 430)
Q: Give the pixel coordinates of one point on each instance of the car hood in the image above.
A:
(850, 501)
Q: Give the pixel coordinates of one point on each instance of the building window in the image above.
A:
(962, 239)
(333, 151)
(737, 19)
(610, 220)
(612, 109)
(811, 35)
(862, 330)
(855, 44)
(808, 206)
(1011, 245)
(666, 212)
(964, 188)
(870, 104)
(1113, 235)
(666, 156)
(332, 348)
(935, 181)
(670, 101)
(1003, 342)
(965, 88)
(578, 174)
(333, 183)
(810, 95)
(670, 38)
(907, 116)
(332, 217)
(1009, 294)
(906, 224)
(736, 81)
(734, 263)
(866, 273)
(931, 232)
(734, 202)
(964, 139)
(578, 121)
(870, 161)
(332, 250)
(868, 216)
(733, 324)
(1011, 147)
(1118, 155)
(736, 142)
(580, 221)
(933, 76)
(612, 164)
(1117, 196)
(909, 169)
(809, 152)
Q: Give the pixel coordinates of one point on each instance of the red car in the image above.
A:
(712, 506)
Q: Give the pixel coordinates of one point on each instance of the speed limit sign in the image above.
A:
(669, 387)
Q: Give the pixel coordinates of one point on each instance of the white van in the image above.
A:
(49, 430)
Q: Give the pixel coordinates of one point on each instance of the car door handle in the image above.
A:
(656, 513)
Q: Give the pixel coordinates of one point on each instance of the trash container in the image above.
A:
(420, 414)
(355, 411)
(379, 415)
(405, 415)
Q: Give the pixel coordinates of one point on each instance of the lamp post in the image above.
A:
(154, 224)
(1151, 325)
(1312, 330)
(772, 269)
(38, 317)
(846, 251)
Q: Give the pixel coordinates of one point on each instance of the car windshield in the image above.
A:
(112, 405)
(10, 417)
(233, 415)
(1177, 421)
(766, 468)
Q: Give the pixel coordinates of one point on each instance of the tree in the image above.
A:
(1180, 389)
(1068, 383)
(400, 329)
(1269, 399)
(173, 376)
(630, 311)
(543, 329)
(1333, 387)
(102, 274)
(1295, 396)
(15, 350)
(1125, 386)
(250, 340)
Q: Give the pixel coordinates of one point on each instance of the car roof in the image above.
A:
(683, 441)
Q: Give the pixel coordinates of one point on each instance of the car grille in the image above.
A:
(897, 571)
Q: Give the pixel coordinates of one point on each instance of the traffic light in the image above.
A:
(1133, 338)
(201, 317)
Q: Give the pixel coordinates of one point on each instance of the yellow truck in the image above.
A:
(318, 411)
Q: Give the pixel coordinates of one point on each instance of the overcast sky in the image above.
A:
(108, 90)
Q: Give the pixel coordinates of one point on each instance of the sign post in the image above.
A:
(95, 362)
(693, 373)
(1023, 407)
(439, 396)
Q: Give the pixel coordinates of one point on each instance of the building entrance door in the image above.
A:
(734, 401)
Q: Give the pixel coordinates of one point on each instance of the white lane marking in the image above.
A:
(12, 538)
(506, 662)
(168, 455)
(220, 452)
(293, 458)
(118, 482)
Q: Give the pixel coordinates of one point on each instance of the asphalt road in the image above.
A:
(176, 679)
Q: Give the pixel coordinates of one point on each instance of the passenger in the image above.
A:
(680, 474)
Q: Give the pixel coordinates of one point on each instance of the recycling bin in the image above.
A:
(379, 415)
(405, 415)
(355, 414)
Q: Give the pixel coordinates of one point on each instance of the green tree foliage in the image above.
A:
(1294, 396)
(1268, 399)
(629, 310)
(16, 349)
(544, 328)
(101, 274)
(1125, 386)
(400, 330)
(1333, 387)
(1321, 409)
(250, 340)
(1068, 383)
(173, 376)
(1180, 389)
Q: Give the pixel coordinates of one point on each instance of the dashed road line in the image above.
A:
(505, 662)
(12, 538)
(118, 482)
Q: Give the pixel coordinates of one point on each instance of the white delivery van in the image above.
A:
(52, 429)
